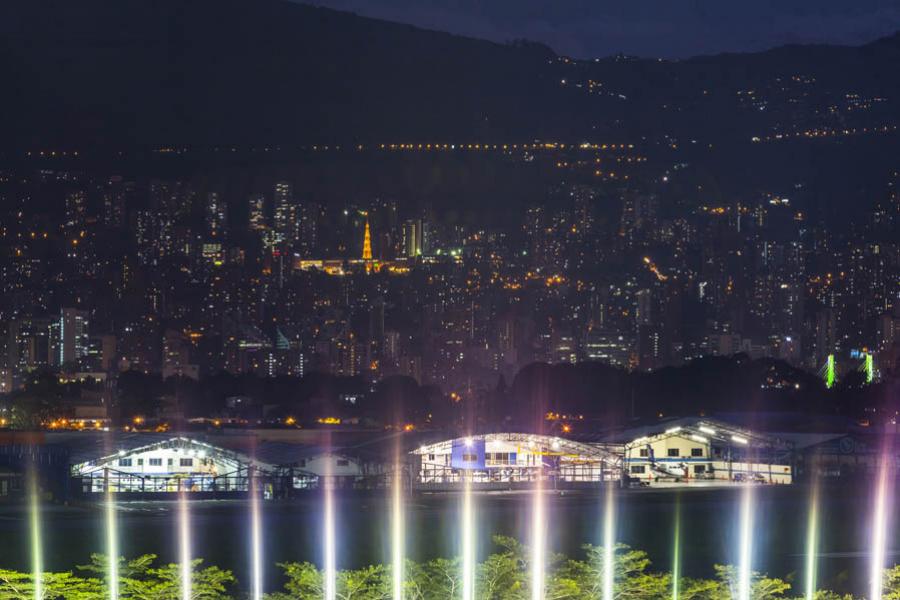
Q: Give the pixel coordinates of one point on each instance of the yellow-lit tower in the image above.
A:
(367, 243)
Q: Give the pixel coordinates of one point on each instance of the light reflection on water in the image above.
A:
(644, 520)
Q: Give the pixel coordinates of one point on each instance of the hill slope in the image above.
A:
(141, 72)
(221, 71)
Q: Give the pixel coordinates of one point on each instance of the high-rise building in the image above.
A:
(257, 220)
(73, 335)
(310, 214)
(888, 330)
(643, 314)
(286, 221)
(30, 345)
(145, 233)
(216, 214)
(116, 196)
(651, 348)
(608, 347)
(76, 208)
(826, 335)
(176, 360)
(108, 351)
(413, 238)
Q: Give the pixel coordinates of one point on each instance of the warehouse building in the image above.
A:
(509, 460)
(176, 464)
(697, 450)
(222, 466)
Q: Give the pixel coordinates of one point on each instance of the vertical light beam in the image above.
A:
(879, 528)
(397, 532)
(812, 542)
(537, 541)
(468, 541)
(256, 537)
(330, 558)
(676, 550)
(37, 550)
(184, 543)
(112, 541)
(745, 558)
(609, 544)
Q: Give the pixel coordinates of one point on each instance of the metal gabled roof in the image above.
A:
(553, 443)
(702, 429)
(129, 445)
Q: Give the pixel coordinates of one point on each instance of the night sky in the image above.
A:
(652, 28)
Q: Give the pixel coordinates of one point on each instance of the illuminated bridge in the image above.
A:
(510, 460)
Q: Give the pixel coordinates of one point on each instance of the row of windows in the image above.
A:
(341, 462)
(500, 458)
(672, 452)
(640, 469)
(189, 462)
(157, 462)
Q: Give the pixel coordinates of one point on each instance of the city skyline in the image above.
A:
(449, 300)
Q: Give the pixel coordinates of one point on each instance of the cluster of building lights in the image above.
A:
(824, 133)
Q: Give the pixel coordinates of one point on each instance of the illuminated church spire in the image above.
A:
(367, 243)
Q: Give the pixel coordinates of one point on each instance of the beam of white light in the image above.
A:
(609, 544)
(468, 541)
(330, 558)
(537, 541)
(397, 533)
(879, 529)
(676, 552)
(812, 543)
(37, 551)
(112, 542)
(256, 538)
(184, 544)
(745, 558)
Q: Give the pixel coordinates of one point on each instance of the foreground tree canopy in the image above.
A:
(504, 575)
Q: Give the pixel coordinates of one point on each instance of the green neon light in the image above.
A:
(870, 368)
(829, 372)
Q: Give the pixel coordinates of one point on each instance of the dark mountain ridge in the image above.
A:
(206, 72)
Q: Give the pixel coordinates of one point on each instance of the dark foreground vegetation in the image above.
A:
(504, 575)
